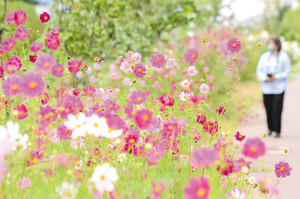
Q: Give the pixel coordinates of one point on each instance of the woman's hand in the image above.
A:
(270, 79)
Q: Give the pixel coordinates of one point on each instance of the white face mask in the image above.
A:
(271, 47)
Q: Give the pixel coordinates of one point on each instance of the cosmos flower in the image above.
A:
(67, 190)
(157, 60)
(254, 148)
(10, 18)
(58, 70)
(20, 17)
(32, 84)
(171, 63)
(184, 95)
(185, 83)
(282, 169)
(136, 58)
(143, 118)
(139, 70)
(204, 157)
(125, 66)
(138, 97)
(44, 17)
(45, 62)
(233, 45)
(9, 43)
(239, 137)
(22, 112)
(36, 47)
(11, 86)
(191, 56)
(198, 188)
(236, 193)
(204, 88)
(21, 33)
(192, 71)
(74, 66)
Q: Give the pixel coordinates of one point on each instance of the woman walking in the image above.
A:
(273, 69)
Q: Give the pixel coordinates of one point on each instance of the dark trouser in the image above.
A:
(274, 104)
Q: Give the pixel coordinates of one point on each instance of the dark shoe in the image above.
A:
(277, 135)
(270, 133)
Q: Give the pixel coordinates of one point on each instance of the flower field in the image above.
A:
(141, 127)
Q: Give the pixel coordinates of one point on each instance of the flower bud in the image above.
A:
(258, 44)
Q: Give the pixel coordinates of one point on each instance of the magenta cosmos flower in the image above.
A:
(89, 90)
(36, 47)
(204, 157)
(11, 87)
(138, 97)
(9, 43)
(20, 17)
(45, 62)
(282, 169)
(44, 17)
(22, 112)
(166, 100)
(131, 139)
(32, 58)
(1, 71)
(52, 41)
(139, 70)
(54, 32)
(58, 70)
(12, 65)
(254, 148)
(143, 118)
(2, 51)
(74, 66)
(10, 18)
(197, 188)
(158, 60)
(21, 33)
(239, 137)
(191, 56)
(32, 84)
(220, 110)
(234, 45)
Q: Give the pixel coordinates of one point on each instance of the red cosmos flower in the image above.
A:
(12, 65)
(45, 62)
(54, 32)
(234, 45)
(52, 42)
(63, 132)
(111, 106)
(32, 58)
(20, 17)
(254, 148)
(74, 66)
(201, 119)
(220, 110)
(240, 163)
(36, 47)
(154, 155)
(138, 97)
(44, 17)
(45, 116)
(158, 60)
(10, 18)
(22, 112)
(239, 137)
(2, 51)
(143, 118)
(1, 71)
(166, 100)
(21, 33)
(89, 90)
(197, 188)
(58, 70)
(191, 56)
(204, 157)
(9, 43)
(11, 86)
(139, 70)
(132, 139)
(32, 84)
(158, 187)
(45, 98)
(282, 169)
(3, 103)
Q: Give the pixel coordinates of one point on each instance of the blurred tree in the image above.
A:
(290, 26)
(108, 28)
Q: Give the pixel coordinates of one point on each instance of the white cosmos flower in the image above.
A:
(204, 88)
(237, 194)
(184, 95)
(185, 83)
(67, 191)
(171, 63)
(22, 142)
(136, 58)
(104, 176)
(192, 71)
(252, 180)
(122, 157)
(125, 66)
(76, 124)
(11, 131)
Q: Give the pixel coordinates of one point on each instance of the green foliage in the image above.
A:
(290, 26)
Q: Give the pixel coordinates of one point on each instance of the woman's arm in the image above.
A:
(262, 76)
(286, 69)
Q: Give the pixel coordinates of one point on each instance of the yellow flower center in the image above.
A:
(11, 45)
(46, 65)
(281, 169)
(22, 18)
(201, 192)
(157, 188)
(102, 177)
(76, 65)
(131, 141)
(234, 45)
(110, 106)
(54, 42)
(46, 18)
(32, 85)
(21, 113)
(194, 56)
(158, 59)
(47, 116)
(253, 150)
(133, 113)
(67, 110)
(140, 70)
(96, 125)
(59, 70)
(240, 136)
(139, 99)
(23, 35)
(156, 154)
(170, 127)
(15, 87)
(145, 117)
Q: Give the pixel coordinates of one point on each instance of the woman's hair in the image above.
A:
(277, 41)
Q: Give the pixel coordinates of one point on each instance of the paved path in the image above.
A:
(289, 186)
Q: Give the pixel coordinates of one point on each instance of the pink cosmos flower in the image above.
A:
(36, 47)
(240, 163)
(63, 132)
(20, 17)
(158, 60)
(130, 111)
(185, 83)
(254, 148)
(25, 182)
(21, 33)
(143, 118)
(131, 139)
(74, 66)
(44, 17)
(54, 32)
(32, 58)
(2, 51)
(58, 70)
(89, 70)
(136, 58)
(239, 137)
(220, 110)
(45, 62)
(22, 112)
(166, 100)
(9, 43)
(79, 75)
(113, 75)
(155, 155)
(191, 56)
(204, 88)
(226, 166)
(111, 106)
(11, 86)
(158, 187)
(206, 69)
(45, 116)
(138, 97)
(184, 95)
(10, 18)
(12, 65)
(157, 85)
(96, 66)
(201, 119)
(93, 79)
(204, 157)
(89, 90)
(234, 45)
(45, 98)
(237, 194)
(125, 66)
(192, 71)
(32, 84)
(224, 182)
(197, 188)
(139, 70)
(282, 169)
(52, 41)
(171, 63)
